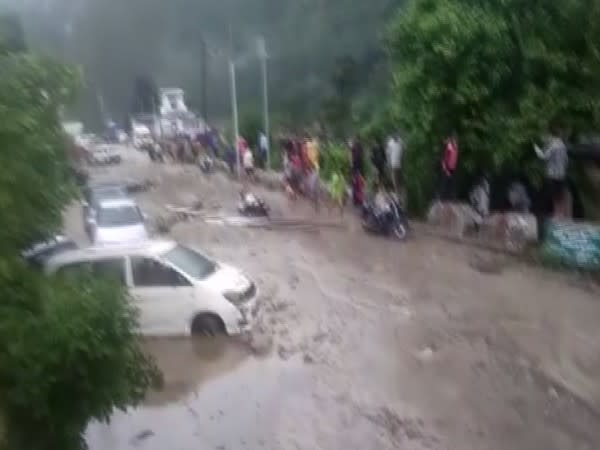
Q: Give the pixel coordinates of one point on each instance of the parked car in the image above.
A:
(116, 221)
(103, 154)
(38, 253)
(178, 291)
(93, 195)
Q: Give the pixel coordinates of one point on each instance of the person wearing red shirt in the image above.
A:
(449, 164)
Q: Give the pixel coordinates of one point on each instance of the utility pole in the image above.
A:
(262, 54)
(101, 106)
(156, 117)
(204, 80)
(234, 108)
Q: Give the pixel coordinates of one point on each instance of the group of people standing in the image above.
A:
(387, 161)
(301, 166)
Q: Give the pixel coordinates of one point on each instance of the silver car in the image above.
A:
(93, 195)
(117, 221)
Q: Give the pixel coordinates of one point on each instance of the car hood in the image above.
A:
(227, 279)
(121, 235)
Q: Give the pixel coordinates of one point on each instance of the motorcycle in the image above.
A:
(389, 221)
(252, 206)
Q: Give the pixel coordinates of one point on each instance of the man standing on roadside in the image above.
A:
(557, 160)
(263, 150)
(394, 150)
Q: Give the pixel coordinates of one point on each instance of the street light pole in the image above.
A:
(234, 108)
(236, 133)
(204, 80)
(262, 54)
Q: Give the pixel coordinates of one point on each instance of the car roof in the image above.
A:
(148, 248)
(112, 202)
(109, 193)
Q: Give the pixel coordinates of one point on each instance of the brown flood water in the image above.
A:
(216, 395)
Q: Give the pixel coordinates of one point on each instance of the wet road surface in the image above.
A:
(364, 343)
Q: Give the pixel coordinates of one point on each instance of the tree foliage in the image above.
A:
(68, 353)
(145, 96)
(12, 37)
(496, 72)
(116, 40)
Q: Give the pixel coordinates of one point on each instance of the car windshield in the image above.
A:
(109, 192)
(192, 263)
(119, 216)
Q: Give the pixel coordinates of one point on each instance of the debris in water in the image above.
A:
(260, 342)
(308, 359)
(141, 436)
(140, 186)
(488, 264)
(426, 354)
(284, 352)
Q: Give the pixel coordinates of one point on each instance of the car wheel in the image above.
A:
(207, 325)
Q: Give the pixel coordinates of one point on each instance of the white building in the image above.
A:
(173, 117)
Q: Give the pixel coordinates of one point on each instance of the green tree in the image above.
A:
(496, 72)
(11, 33)
(68, 351)
(145, 96)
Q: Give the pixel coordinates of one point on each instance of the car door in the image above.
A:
(164, 297)
(112, 269)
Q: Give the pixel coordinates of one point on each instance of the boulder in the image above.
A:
(455, 218)
(513, 231)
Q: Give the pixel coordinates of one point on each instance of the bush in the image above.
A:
(335, 158)
(494, 72)
(69, 355)
(68, 352)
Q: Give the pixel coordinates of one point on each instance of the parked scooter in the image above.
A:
(388, 219)
(252, 206)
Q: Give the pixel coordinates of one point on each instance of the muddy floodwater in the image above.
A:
(209, 385)
(364, 343)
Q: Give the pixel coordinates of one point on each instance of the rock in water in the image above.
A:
(514, 231)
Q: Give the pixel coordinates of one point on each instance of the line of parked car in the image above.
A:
(178, 290)
(111, 216)
(97, 151)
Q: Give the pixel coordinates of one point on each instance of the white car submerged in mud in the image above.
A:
(178, 291)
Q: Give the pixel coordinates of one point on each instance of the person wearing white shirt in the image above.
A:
(556, 159)
(394, 150)
(263, 149)
(248, 162)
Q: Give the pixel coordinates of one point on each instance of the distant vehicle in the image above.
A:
(141, 135)
(73, 128)
(40, 252)
(177, 290)
(103, 154)
(252, 206)
(116, 221)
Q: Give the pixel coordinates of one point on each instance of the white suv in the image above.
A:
(178, 291)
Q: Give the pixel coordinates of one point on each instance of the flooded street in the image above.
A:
(364, 343)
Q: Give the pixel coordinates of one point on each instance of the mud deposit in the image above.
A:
(365, 343)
